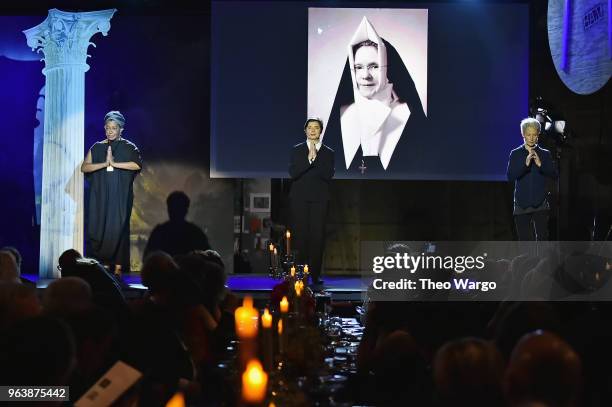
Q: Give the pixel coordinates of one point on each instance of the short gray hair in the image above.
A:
(530, 122)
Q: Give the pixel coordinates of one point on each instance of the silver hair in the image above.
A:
(530, 122)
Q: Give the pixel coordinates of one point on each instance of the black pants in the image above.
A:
(308, 233)
(532, 226)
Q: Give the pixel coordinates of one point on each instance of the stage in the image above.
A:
(340, 288)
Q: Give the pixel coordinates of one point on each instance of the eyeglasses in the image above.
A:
(370, 68)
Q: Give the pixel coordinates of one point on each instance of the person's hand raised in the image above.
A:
(529, 157)
(312, 152)
(536, 158)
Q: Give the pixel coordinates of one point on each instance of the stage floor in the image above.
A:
(341, 288)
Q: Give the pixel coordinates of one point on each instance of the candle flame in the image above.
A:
(284, 304)
(254, 382)
(266, 319)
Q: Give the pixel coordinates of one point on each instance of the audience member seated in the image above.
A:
(229, 300)
(95, 334)
(106, 292)
(543, 368)
(17, 301)
(177, 235)
(400, 371)
(157, 342)
(66, 297)
(518, 319)
(206, 269)
(68, 259)
(18, 260)
(37, 351)
(468, 373)
(8, 267)
(381, 319)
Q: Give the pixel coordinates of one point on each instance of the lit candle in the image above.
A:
(247, 319)
(254, 382)
(284, 305)
(176, 401)
(292, 271)
(298, 286)
(288, 236)
(306, 269)
(266, 323)
(271, 249)
(266, 319)
(275, 257)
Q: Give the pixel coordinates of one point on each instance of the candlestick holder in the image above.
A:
(276, 272)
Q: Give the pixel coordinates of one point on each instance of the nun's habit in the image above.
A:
(369, 135)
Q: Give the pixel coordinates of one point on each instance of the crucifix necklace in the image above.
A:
(362, 167)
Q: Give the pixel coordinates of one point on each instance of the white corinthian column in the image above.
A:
(63, 38)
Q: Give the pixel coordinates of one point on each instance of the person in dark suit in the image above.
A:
(529, 166)
(311, 169)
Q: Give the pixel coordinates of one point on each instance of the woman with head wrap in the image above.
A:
(376, 105)
(110, 167)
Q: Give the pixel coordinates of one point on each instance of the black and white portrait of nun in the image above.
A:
(377, 109)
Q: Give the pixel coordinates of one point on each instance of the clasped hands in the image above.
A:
(312, 153)
(533, 156)
(110, 160)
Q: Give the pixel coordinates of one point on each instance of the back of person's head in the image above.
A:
(401, 371)
(157, 269)
(178, 205)
(205, 270)
(9, 272)
(68, 259)
(17, 301)
(82, 266)
(94, 331)
(18, 259)
(521, 318)
(167, 283)
(468, 372)
(37, 351)
(544, 368)
(67, 296)
(94, 323)
(213, 256)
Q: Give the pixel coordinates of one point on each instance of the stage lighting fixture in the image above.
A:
(553, 124)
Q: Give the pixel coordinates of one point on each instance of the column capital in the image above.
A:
(64, 36)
